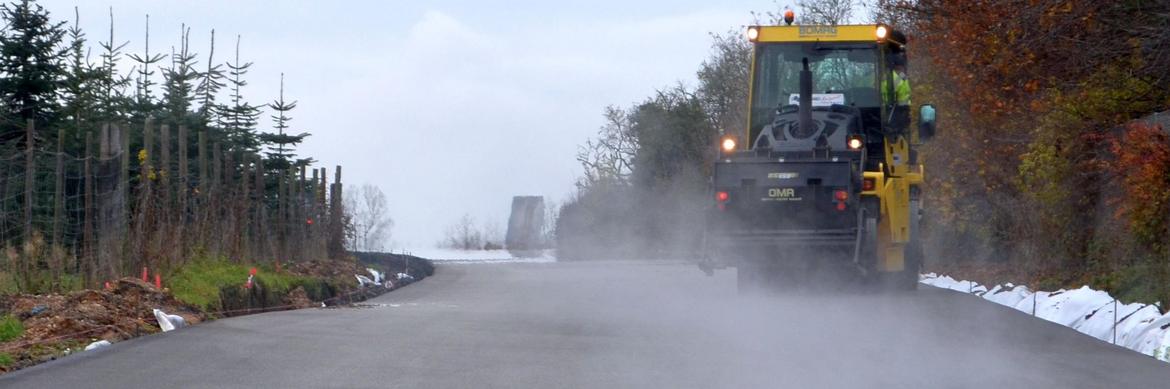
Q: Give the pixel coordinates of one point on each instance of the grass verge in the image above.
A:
(204, 283)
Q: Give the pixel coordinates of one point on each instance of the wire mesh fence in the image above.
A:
(153, 196)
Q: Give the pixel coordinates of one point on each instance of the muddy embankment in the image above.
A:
(40, 328)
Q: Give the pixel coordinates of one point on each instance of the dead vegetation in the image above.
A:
(54, 323)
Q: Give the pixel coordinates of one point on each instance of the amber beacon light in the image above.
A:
(728, 144)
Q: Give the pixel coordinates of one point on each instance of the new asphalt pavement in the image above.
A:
(603, 324)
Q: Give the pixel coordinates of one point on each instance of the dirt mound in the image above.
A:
(54, 322)
(326, 269)
(298, 298)
(57, 324)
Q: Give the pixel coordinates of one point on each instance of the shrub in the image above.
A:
(10, 328)
(1143, 163)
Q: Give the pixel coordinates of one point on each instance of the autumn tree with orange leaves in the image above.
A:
(1143, 166)
(1034, 97)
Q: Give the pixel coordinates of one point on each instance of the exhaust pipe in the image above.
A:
(805, 104)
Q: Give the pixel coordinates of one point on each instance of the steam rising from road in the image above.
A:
(664, 324)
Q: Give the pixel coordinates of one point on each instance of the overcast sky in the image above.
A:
(450, 107)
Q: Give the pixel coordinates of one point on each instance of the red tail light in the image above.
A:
(840, 196)
(868, 184)
(722, 196)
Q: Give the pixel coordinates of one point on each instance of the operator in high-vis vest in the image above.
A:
(899, 110)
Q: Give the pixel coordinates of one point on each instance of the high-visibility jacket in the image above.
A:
(901, 89)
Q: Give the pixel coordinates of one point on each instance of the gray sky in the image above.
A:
(450, 107)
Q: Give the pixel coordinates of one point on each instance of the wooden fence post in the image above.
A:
(101, 205)
(30, 171)
(314, 212)
(164, 147)
(146, 220)
(211, 201)
(288, 227)
(216, 167)
(323, 210)
(167, 229)
(323, 189)
(183, 178)
(58, 205)
(298, 218)
(87, 226)
(110, 208)
(336, 245)
(164, 166)
(59, 189)
(262, 238)
(231, 198)
(123, 193)
(124, 133)
(281, 212)
(203, 183)
(242, 213)
(243, 201)
(203, 190)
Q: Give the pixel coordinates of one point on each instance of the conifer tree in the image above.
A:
(112, 101)
(32, 67)
(239, 119)
(80, 82)
(209, 86)
(178, 91)
(144, 104)
(280, 144)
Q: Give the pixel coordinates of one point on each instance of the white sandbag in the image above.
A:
(97, 344)
(177, 321)
(1007, 294)
(169, 322)
(363, 280)
(378, 279)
